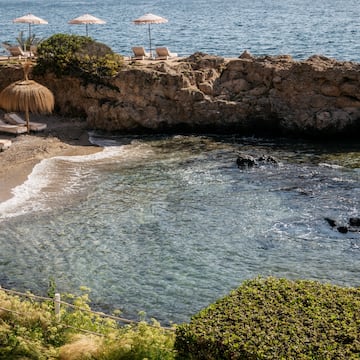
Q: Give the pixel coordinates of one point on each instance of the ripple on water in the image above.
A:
(170, 225)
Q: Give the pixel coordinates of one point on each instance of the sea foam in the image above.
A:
(54, 179)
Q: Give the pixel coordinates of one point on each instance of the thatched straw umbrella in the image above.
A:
(27, 96)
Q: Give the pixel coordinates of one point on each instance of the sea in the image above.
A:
(166, 224)
(225, 28)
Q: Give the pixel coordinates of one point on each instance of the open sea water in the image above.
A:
(167, 225)
(224, 28)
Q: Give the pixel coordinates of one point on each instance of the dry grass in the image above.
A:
(83, 347)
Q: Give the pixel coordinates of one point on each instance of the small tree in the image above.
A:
(65, 54)
(26, 42)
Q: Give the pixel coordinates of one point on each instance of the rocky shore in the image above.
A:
(315, 97)
(247, 95)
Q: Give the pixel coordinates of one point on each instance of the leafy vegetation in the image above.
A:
(276, 319)
(76, 55)
(31, 331)
(25, 42)
(263, 319)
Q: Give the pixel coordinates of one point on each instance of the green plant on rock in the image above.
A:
(276, 319)
(76, 55)
(26, 42)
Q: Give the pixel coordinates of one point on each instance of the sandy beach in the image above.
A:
(63, 136)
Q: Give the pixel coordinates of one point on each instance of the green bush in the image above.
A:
(30, 330)
(76, 55)
(276, 319)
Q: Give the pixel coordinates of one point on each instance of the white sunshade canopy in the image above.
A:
(150, 19)
(86, 19)
(30, 19)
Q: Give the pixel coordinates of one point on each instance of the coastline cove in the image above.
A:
(168, 224)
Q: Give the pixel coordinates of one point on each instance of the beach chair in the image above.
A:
(12, 129)
(163, 53)
(139, 53)
(6, 46)
(33, 51)
(16, 51)
(15, 119)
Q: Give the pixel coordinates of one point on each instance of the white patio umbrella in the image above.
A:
(86, 19)
(150, 19)
(30, 19)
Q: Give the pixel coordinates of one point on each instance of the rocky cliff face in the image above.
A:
(319, 96)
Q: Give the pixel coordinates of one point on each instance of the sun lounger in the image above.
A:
(15, 119)
(6, 46)
(163, 53)
(4, 144)
(139, 53)
(12, 129)
(16, 51)
(33, 50)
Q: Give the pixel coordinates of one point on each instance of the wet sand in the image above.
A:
(63, 136)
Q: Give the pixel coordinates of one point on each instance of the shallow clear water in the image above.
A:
(169, 225)
(225, 28)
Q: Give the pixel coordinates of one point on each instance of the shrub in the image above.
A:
(276, 319)
(30, 330)
(27, 331)
(78, 56)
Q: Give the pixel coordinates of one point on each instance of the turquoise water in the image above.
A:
(226, 28)
(169, 225)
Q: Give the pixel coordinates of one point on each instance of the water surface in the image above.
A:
(168, 225)
(225, 28)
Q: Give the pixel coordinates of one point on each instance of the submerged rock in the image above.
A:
(353, 225)
(354, 221)
(245, 161)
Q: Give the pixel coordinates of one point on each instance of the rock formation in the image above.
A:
(245, 161)
(246, 95)
(353, 225)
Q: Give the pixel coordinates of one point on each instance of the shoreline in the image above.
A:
(63, 137)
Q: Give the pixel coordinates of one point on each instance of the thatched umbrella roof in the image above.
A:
(27, 96)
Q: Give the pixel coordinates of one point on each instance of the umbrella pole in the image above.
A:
(29, 37)
(150, 41)
(86, 29)
(27, 119)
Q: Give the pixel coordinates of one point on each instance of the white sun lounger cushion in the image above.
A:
(15, 119)
(12, 129)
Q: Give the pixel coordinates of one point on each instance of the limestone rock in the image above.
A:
(319, 96)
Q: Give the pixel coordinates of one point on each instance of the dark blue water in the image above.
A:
(226, 28)
(169, 225)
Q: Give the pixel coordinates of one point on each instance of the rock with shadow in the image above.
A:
(245, 161)
(353, 225)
